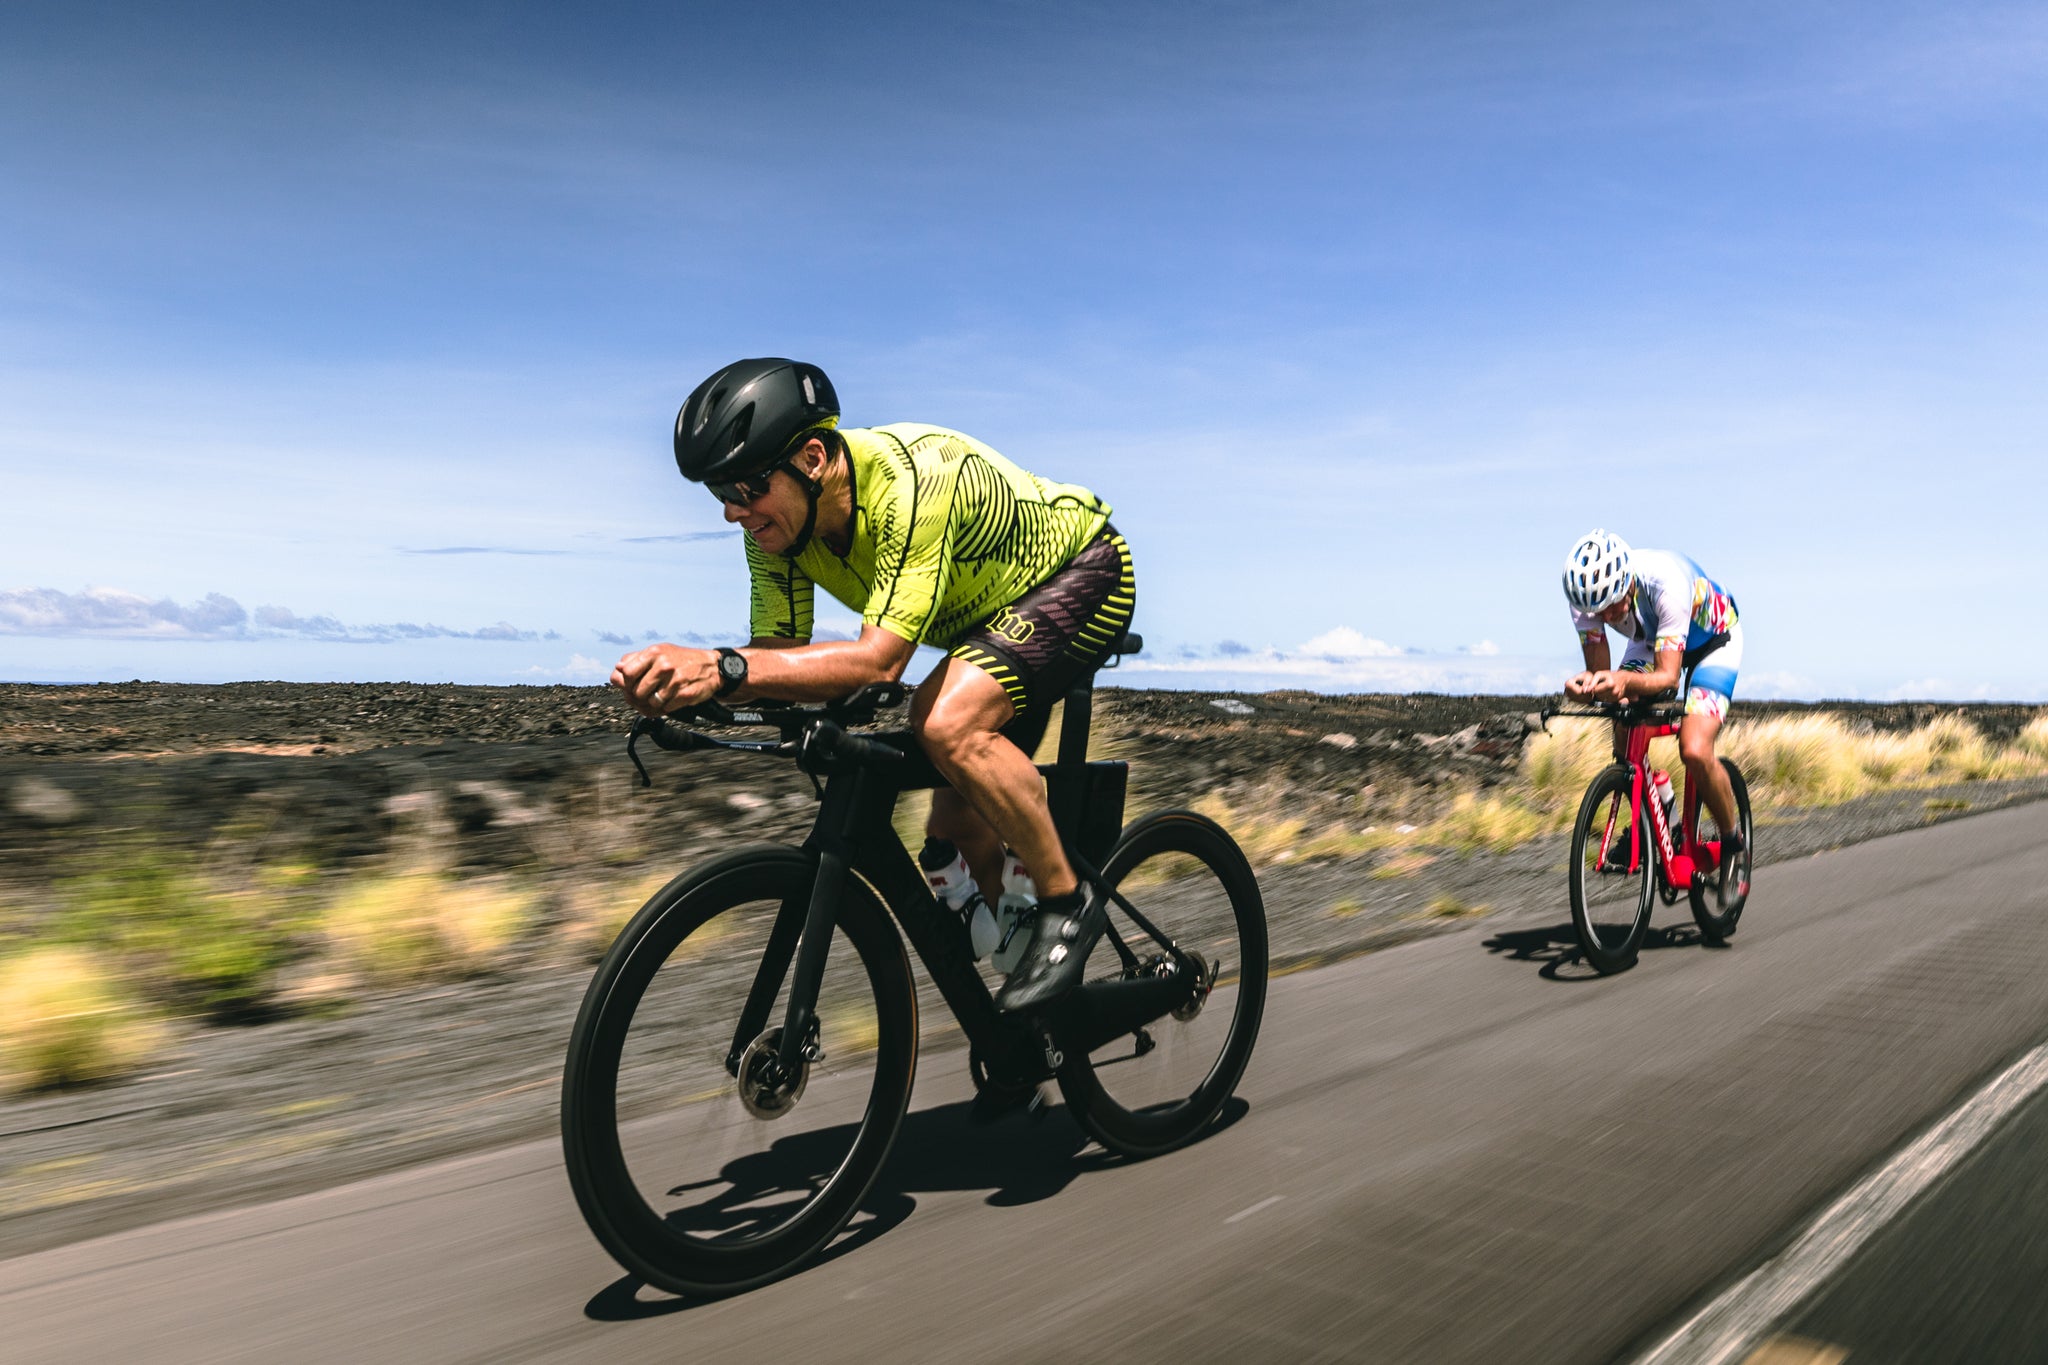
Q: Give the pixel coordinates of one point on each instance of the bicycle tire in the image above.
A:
(1718, 898)
(1115, 1111)
(1608, 943)
(665, 1250)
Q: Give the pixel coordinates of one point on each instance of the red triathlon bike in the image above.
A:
(1625, 852)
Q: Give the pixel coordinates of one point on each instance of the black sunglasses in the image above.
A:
(741, 492)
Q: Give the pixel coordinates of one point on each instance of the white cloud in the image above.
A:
(111, 613)
(1947, 689)
(1343, 659)
(1767, 685)
(1346, 643)
(579, 668)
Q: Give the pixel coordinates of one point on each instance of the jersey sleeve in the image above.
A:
(781, 596)
(910, 512)
(1591, 629)
(1674, 624)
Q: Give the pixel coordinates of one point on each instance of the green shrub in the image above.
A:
(191, 944)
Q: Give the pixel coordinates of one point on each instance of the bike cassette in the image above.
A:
(1205, 981)
(766, 1090)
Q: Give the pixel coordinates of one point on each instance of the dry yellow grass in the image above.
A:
(1804, 760)
(417, 925)
(597, 910)
(64, 1020)
(1816, 760)
(2032, 742)
(1497, 823)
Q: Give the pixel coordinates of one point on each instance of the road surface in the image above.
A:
(1465, 1149)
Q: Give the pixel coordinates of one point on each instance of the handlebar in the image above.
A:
(1647, 711)
(808, 732)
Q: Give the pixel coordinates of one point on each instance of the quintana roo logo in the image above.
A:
(1011, 626)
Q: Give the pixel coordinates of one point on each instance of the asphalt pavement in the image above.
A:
(1960, 1276)
(1465, 1149)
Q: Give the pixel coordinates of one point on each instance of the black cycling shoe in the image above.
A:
(1617, 854)
(1063, 931)
(1731, 846)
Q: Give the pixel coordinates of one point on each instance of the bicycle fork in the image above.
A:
(805, 939)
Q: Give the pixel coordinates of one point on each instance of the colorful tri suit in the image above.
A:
(1676, 606)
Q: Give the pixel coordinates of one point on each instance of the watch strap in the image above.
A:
(729, 681)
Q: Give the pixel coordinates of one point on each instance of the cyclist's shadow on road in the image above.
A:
(1557, 948)
(1019, 1159)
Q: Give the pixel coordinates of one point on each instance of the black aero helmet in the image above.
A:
(743, 419)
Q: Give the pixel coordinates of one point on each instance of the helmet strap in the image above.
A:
(813, 488)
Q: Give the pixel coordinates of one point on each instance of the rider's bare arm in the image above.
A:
(1652, 681)
(663, 677)
(1598, 661)
(1602, 682)
(828, 670)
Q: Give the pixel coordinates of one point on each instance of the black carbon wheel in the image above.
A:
(1718, 896)
(700, 1182)
(1144, 1094)
(1610, 905)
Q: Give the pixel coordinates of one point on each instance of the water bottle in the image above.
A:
(1013, 911)
(953, 884)
(1660, 783)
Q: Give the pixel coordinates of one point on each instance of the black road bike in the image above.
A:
(743, 1058)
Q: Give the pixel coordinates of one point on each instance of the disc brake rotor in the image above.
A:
(1205, 981)
(766, 1090)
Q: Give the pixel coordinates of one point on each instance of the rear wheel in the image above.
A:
(1611, 904)
(700, 1181)
(1161, 1087)
(1718, 896)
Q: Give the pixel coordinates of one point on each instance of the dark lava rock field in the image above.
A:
(538, 777)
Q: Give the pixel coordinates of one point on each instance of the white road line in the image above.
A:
(1268, 1202)
(1737, 1320)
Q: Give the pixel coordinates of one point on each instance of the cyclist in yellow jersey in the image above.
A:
(935, 539)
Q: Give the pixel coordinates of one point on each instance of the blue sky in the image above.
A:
(342, 342)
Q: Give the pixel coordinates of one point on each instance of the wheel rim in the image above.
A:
(1611, 897)
(1174, 1061)
(715, 1165)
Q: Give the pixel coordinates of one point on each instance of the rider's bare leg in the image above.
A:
(953, 819)
(957, 714)
(1696, 746)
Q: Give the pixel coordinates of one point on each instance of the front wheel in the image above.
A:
(1718, 896)
(1159, 1088)
(1610, 903)
(699, 1165)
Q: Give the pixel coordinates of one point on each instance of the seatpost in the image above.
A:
(1074, 728)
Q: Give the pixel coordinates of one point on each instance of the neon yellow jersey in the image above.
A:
(945, 531)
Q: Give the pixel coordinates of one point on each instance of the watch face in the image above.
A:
(732, 666)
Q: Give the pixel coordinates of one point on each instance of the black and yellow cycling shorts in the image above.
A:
(1043, 643)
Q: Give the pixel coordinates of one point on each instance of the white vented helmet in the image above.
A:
(1596, 572)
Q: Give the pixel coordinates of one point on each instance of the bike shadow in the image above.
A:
(1556, 947)
(1019, 1158)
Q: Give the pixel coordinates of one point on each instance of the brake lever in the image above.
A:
(640, 727)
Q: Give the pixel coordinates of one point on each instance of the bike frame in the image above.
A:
(853, 836)
(1676, 866)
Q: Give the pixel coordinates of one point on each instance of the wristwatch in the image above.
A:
(732, 670)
